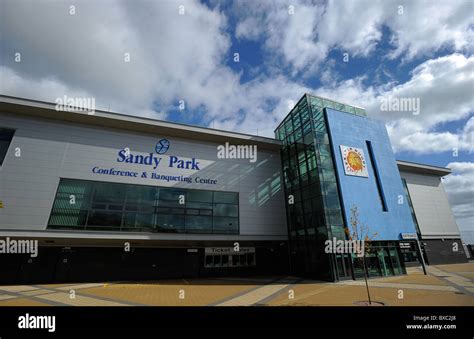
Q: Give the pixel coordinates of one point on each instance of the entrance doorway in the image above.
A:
(344, 267)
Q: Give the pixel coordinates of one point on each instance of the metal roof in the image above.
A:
(41, 109)
(414, 167)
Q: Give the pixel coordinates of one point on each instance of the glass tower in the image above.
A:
(312, 195)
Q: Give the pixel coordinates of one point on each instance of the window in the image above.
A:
(235, 260)
(378, 183)
(229, 260)
(217, 260)
(139, 220)
(226, 210)
(88, 205)
(71, 204)
(171, 194)
(6, 136)
(198, 224)
(104, 219)
(225, 225)
(226, 197)
(200, 196)
(225, 260)
(170, 223)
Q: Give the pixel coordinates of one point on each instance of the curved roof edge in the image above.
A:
(414, 167)
(42, 109)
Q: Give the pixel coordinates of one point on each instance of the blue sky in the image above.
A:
(401, 49)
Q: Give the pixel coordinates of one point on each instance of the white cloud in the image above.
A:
(460, 189)
(246, 29)
(304, 39)
(176, 57)
(444, 87)
(415, 139)
(172, 56)
(265, 102)
(426, 26)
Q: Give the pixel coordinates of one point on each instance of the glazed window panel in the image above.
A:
(171, 194)
(109, 193)
(199, 205)
(170, 223)
(199, 196)
(316, 101)
(139, 220)
(296, 122)
(289, 127)
(88, 205)
(198, 224)
(326, 162)
(225, 224)
(226, 197)
(226, 210)
(104, 218)
(332, 201)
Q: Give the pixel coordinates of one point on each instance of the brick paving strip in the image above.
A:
(460, 283)
(399, 285)
(457, 283)
(266, 300)
(60, 296)
(248, 280)
(20, 292)
(302, 296)
(468, 281)
(258, 294)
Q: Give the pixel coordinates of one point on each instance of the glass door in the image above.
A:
(385, 263)
(343, 265)
(397, 268)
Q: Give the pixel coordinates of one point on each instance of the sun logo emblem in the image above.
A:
(354, 161)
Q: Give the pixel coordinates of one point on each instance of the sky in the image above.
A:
(241, 66)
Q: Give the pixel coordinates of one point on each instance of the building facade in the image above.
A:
(339, 166)
(436, 227)
(111, 196)
(91, 186)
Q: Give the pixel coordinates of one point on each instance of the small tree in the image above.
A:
(361, 232)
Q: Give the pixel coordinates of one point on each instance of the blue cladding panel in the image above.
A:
(354, 131)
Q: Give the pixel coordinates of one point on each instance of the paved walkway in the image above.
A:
(459, 282)
(259, 295)
(444, 285)
(69, 295)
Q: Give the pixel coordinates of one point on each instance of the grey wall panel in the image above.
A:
(51, 150)
(441, 252)
(431, 205)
